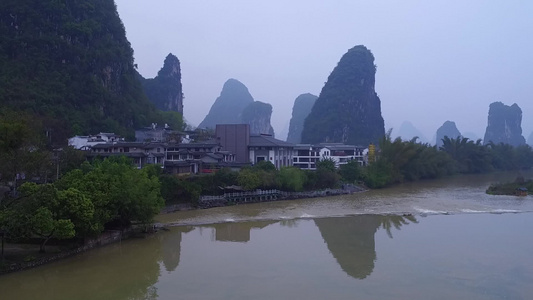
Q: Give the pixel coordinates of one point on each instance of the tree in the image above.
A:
(22, 148)
(41, 212)
(351, 171)
(326, 174)
(249, 179)
(292, 179)
(121, 194)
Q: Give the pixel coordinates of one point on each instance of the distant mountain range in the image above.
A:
(408, 131)
(235, 105)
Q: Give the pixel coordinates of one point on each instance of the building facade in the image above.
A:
(305, 156)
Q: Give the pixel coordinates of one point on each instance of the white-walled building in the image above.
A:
(305, 156)
(86, 142)
(265, 147)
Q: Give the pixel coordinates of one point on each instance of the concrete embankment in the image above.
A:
(271, 195)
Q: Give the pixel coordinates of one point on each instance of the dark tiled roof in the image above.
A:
(267, 141)
(339, 146)
(207, 144)
(120, 144)
(305, 146)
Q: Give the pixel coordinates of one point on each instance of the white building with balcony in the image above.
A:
(305, 156)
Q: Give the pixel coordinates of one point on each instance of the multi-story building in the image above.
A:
(175, 158)
(306, 156)
(267, 148)
(251, 149)
(234, 147)
(140, 153)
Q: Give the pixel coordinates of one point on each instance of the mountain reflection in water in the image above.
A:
(351, 239)
(476, 256)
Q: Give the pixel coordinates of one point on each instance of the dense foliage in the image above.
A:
(26, 153)
(348, 110)
(70, 66)
(165, 90)
(401, 161)
(103, 194)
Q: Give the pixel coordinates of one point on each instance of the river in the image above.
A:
(439, 239)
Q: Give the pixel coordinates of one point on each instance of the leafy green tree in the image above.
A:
(180, 190)
(249, 179)
(326, 165)
(292, 179)
(40, 212)
(265, 166)
(326, 173)
(22, 148)
(378, 174)
(351, 171)
(120, 193)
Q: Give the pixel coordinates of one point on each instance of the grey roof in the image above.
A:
(339, 146)
(305, 146)
(198, 145)
(267, 141)
(119, 144)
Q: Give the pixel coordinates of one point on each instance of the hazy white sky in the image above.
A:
(437, 60)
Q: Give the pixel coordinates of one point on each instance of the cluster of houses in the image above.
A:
(232, 147)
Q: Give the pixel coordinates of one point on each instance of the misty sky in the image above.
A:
(437, 60)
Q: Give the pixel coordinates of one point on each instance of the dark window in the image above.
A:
(303, 152)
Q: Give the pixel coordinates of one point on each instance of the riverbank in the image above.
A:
(258, 196)
(18, 257)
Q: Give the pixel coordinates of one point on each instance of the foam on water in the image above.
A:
(503, 211)
(307, 216)
(430, 211)
(472, 211)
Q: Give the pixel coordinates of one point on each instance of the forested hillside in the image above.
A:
(348, 109)
(69, 64)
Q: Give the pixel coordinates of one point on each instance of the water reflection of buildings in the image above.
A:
(351, 240)
(237, 232)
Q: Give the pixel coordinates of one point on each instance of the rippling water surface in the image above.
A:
(442, 239)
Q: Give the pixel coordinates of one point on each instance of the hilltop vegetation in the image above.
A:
(165, 90)
(348, 109)
(70, 66)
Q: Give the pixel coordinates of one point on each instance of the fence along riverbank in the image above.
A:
(271, 195)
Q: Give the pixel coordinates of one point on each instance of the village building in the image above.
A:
(306, 156)
(233, 147)
(84, 142)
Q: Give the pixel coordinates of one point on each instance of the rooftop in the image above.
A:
(267, 141)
